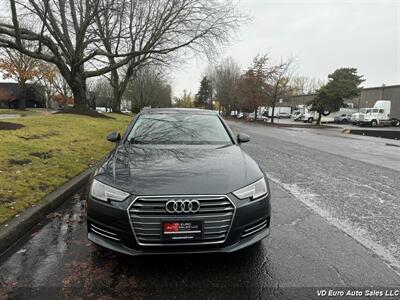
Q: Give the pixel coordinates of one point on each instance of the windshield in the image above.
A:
(179, 128)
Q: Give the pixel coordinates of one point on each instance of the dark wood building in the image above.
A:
(10, 95)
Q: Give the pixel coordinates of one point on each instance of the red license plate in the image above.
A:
(182, 231)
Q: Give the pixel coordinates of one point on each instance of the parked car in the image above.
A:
(342, 119)
(177, 182)
(295, 114)
(251, 116)
(264, 116)
(355, 118)
(240, 115)
(283, 115)
(308, 117)
(298, 117)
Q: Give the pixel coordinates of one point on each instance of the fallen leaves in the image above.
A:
(53, 215)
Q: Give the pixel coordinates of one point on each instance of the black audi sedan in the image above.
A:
(178, 181)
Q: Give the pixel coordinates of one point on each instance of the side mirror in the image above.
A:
(114, 137)
(242, 138)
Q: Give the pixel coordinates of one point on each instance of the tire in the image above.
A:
(374, 123)
(396, 123)
(310, 120)
(344, 121)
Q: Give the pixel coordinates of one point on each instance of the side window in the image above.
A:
(381, 111)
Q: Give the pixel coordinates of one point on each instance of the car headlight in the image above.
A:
(104, 192)
(254, 190)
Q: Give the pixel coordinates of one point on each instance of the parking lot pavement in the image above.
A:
(312, 243)
(303, 250)
(371, 150)
(353, 183)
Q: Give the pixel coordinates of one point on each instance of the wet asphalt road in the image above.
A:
(330, 228)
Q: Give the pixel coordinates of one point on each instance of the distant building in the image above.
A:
(10, 95)
(367, 98)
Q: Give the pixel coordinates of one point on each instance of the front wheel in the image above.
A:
(374, 123)
(310, 120)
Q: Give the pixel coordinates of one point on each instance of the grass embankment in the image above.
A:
(47, 152)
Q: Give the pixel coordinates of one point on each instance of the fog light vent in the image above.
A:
(104, 233)
(253, 229)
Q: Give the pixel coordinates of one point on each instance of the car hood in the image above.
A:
(178, 170)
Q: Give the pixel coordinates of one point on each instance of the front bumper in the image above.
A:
(110, 227)
(364, 122)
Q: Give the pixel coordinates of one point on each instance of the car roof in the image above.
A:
(178, 111)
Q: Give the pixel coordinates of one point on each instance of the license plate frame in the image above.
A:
(182, 231)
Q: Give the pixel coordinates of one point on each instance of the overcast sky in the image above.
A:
(321, 35)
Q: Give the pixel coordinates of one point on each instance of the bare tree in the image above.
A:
(250, 89)
(275, 78)
(303, 85)
(59, 32)
(23, 69)
(103, 93)
(185, 101)
(148, 88)
(225, 77)
(156, 30)
(70, 34)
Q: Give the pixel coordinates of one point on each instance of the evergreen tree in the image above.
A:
(203, 96)
(343, 84)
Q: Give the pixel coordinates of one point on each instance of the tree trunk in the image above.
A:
(22, 95)
(116, 104)
(47, 100)
(77, 83)
(273, 112)
(319, 119)
(117, 94)
(78, 87)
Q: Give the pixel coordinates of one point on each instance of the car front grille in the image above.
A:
(146, 215)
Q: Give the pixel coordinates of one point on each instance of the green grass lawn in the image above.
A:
(47, 152)
(24, 112)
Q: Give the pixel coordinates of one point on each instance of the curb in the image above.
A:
(380, 133)
(19, 226)
(300, 125)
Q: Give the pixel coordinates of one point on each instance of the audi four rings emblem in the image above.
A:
(182, 206)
